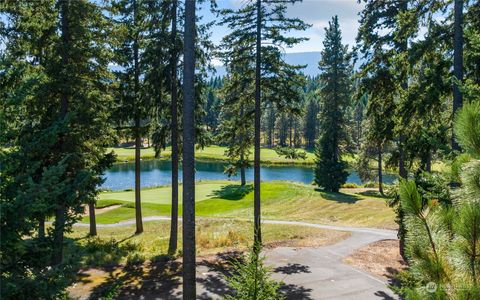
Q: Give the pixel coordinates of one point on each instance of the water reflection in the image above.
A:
(158, 172)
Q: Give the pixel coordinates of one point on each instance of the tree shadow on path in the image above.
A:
(292, 291)
(292, 269)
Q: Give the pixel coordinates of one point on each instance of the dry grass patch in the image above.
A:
(381, 259)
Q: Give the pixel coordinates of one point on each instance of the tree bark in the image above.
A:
(256, 161)
(138, 140)
(380, 175)
(172, 246)
(189, 270)
(291, 131)
(57, 253)
(243, 181)
(93, 221)
(457, 61)
(428, 164)
(41, 227)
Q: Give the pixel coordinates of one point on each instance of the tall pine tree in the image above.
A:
(259, 69)
(335, 78)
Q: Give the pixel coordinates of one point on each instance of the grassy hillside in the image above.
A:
(268, 156)
(280, 200)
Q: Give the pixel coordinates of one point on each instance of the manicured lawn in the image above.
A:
(280, 201)
(163, 195)
(268, 156)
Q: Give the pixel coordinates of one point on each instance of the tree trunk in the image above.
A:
(291, 132)
(242, 172)
(401, 167)
(189, 270)
(172, 246)
(256, 161)
(380, 175)
(138, 139)
(457, 61)
(57, 253)
(60, 210)
(41, 227)
(138, 202)
(428, 164)
(93, 221)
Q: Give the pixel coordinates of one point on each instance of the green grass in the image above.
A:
(163, 194)
(280, 200)
(268, 156)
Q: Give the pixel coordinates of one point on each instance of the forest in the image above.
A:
(132, 168)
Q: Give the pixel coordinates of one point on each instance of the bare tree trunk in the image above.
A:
(256, 161)
(457, 61)
(172, 246)
(189, 270)
(402, 171)
(380, 175)
(93, 221)
(428, 165)
(138, 202)
(291, 131)
(138, 139)
(57, 254)
(242, 172)
(41, 227)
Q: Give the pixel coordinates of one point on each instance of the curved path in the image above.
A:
(308, 273)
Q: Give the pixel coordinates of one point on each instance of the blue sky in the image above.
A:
(315, 12)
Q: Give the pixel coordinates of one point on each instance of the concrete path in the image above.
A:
(308, 273)
(320, 273)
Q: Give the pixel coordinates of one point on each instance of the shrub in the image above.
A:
(350, 185)
(251, 280)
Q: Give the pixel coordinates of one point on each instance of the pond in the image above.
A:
(158, 172)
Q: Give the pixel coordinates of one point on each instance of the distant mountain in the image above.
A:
(310, 59)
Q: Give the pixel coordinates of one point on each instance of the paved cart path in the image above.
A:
(308, 273)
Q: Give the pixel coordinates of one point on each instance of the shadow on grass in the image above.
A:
(339, 197)
(232, 192)
(372, 193)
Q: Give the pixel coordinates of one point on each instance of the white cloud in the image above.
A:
(315, 12)
(318, 13)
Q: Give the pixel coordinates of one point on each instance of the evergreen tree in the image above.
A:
(129, 17)
(172, 245)
(442, 238)
(330, 169)
(457, 60)
(56, 160)
(166, 115)
(260, 69)
(311, 121)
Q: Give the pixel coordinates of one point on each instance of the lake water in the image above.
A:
(158, 172)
